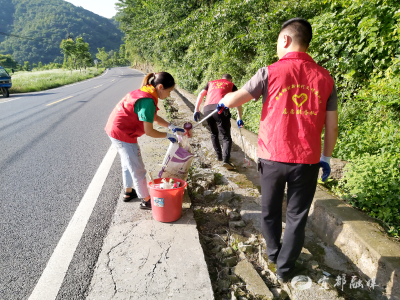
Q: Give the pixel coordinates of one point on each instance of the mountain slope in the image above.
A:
(45, 23)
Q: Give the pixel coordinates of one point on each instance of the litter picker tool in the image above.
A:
(209, 116)
(246, 161)
(188, 126)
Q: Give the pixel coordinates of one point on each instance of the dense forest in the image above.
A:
(358, 41)
(44, 23)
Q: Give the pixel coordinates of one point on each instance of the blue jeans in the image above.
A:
(133, 171)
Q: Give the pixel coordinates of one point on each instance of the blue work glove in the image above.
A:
(240, 123)
(221, 107)
(171, 137)
(324, 163)
(196, 116)
(175, 129)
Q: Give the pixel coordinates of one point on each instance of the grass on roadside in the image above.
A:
(24, 82)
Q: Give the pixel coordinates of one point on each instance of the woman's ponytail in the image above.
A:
(148, 79)
(163, 78)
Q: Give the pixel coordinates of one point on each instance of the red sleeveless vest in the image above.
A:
(217, 89)
(293, 114)
(123, 123)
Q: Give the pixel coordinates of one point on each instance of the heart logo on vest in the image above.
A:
(295, 97)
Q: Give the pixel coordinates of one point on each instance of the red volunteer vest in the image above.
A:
(217, 89)
(123, 123)
(293, 114)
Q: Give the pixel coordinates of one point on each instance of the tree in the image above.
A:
(6, 61)
(81, 52)
(68, 48)
(111, 57)
(45, 24)
(88, 61)
(102, 55)
(122, 51)
(27, 66)
(40, 65)
(115, 58)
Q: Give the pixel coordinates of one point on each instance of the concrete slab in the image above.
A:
(315, 291)
(254, 282)
(152, 260)
(360, 238)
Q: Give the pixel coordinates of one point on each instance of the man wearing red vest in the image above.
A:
(219, 123)
(299, 99)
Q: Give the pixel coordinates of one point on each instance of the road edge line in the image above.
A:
(49, 283)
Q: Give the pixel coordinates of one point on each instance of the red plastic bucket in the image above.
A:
(166, 204)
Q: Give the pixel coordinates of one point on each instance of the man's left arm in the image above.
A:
(331, 124)
(331, 132)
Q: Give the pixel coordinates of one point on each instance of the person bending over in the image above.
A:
(219, 123)
(132, 117)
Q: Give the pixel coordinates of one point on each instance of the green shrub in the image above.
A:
(372, 183)
(356, 40)
(369, 137)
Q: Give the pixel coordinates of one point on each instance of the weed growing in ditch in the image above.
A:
(218, 178)
(169, 108)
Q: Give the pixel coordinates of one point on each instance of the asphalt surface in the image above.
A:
(49, 153)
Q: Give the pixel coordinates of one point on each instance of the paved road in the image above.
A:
(51, 145)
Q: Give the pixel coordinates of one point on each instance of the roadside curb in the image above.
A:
(339, 225)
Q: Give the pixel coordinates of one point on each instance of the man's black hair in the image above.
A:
(300, 29)
(227, 76)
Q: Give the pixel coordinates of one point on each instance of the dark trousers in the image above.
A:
(302, 182)
(220, 123)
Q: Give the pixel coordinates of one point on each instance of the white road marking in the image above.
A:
(9, 100)
(53, 275)
(59, 101)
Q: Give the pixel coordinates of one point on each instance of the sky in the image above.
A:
(104, 8)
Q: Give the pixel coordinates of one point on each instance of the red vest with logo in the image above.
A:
(293, 114)
(123, 123)
(217, 89)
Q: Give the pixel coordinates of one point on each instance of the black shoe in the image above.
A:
(228, 166)
(132, 195)
(219, 157)
(282, 279)
(145, 204)
(296, 270)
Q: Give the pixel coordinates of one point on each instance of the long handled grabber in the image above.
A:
(188, 126)
(246, 161)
